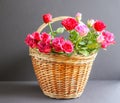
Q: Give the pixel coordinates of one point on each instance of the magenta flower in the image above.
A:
(67, 46)
(30, 41)
(108, 36)
(43, 47)
(57, 44)
(45, 37)
(104, 45)
(36, 36)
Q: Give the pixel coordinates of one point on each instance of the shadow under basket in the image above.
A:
(60, 76)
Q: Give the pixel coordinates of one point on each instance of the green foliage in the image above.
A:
(84, 45)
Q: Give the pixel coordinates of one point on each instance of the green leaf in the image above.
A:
(90, 42)
(84, 52)
(82, 43)
(93, 46)
(70, 54)
(77, 45)
(60, 30)
(54, 33)
(84, 48)
(94, 51)
(73, 35)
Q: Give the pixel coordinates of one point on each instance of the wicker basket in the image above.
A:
(60, 76)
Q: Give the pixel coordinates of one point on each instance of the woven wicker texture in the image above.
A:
(60, 76)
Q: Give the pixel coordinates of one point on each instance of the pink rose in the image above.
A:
(109, 37)
(47, 18)
(82, 29)
(36, 36)
(57, 44)
(44, 44)
(67, 46)
(45, 37)
(106, 39)
(43, 47)
(69, 23)
(30, 41)
(104, 44)
(99, 26)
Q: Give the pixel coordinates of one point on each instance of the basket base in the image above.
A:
(72, 96)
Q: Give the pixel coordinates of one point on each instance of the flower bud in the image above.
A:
(90, 22)
(47, 18)
(78, 17)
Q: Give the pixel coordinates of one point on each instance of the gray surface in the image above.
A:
(19, 17)
(29, 92)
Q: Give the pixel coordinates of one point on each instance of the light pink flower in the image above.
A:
(100, 38)
(82, 29)
(67, 46)
(57, 44)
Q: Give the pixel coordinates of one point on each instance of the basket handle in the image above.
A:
(53, 20)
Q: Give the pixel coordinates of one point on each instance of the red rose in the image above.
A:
(30, 41)
(43, 47)
(69, 23)
(67, 46)
(99, 26)
(47, 18)
(57, 44)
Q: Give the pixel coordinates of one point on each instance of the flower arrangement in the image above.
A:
(84, 39)
(64, 72)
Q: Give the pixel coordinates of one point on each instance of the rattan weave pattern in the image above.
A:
(61, 79)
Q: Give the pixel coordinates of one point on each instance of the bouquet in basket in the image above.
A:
(84, 39)
(62, 65)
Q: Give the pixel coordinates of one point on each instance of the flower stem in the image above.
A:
(51, 29)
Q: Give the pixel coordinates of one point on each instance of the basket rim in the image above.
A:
(62, 58)
(62, 55)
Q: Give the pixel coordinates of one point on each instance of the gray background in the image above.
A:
(19, 17)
